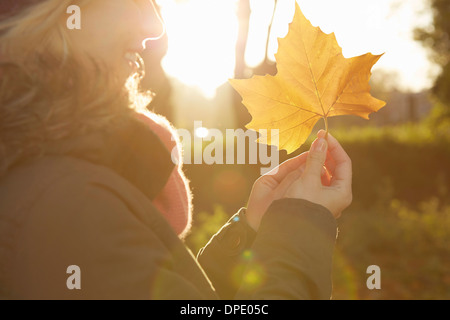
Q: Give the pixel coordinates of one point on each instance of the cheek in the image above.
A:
(96, 42)
(107, 29)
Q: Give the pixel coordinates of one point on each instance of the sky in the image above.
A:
(202, 36)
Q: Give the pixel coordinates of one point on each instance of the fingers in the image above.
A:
(326, 177)
(280, 172)
(294, 175)
(287, 182)
(341, 162)
(330, 164)
(337, 163)
(315, 161)
(334, 148)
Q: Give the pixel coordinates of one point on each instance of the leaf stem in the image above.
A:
(325, 119)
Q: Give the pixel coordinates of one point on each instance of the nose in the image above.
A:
(152, 25)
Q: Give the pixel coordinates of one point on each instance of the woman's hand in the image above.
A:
(322, 175)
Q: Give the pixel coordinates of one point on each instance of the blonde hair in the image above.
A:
(45, 94)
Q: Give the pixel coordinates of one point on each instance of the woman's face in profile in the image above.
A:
(113, 32)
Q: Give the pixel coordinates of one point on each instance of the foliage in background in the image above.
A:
(399, 219)
(410, 245)
(204, 226)
(437, 39)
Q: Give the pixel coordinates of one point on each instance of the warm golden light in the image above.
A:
(203, 33)
(202, 37)
(201, 132)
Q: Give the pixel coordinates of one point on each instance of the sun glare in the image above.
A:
(203, 33)
(202, 37)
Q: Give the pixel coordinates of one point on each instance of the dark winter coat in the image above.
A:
(87, 202)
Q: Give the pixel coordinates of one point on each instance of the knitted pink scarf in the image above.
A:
(175, 199)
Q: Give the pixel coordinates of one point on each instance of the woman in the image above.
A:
(87, 178)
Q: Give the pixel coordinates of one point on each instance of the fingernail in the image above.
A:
(320, 145)
(321, 133)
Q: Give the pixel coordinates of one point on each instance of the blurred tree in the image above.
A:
(267, 66)
(243, 14)
(437, 38)
(241, 71)
(383, 82)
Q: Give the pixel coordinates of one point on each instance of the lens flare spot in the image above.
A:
(247, 255)
(201, 132)
(254, 277)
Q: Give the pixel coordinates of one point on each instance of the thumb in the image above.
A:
(316, 160)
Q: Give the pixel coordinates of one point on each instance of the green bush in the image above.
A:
(410, 245)
(204, 226)
(399, 218)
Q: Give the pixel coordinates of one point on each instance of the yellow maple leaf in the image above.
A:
(314, 81)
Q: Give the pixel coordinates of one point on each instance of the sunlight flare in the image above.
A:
(202, 36)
